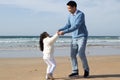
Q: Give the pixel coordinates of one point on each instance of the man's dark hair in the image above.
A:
(72, 3)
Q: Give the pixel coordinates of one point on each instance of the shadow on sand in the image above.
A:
(91, 77)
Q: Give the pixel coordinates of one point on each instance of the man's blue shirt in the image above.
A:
(76, 25)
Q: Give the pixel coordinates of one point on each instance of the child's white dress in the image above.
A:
(48, 53)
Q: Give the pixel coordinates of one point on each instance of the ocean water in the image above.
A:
(28, 46)
(26, 42)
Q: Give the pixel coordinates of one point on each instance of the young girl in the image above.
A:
(47, 47)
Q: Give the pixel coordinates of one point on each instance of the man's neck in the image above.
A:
(74, 12)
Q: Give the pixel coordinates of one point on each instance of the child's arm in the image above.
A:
(53, 38)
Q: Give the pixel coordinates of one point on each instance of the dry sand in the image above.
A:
(101, 68)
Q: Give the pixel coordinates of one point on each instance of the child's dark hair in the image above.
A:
(42, 36)
(72, 3)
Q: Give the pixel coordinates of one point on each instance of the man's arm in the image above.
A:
(78, 21)
(66, 26)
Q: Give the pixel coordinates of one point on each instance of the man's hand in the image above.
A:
(60, 33)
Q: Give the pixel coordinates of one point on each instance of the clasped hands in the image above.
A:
(60, 33)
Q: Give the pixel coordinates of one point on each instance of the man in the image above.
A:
(76, 25)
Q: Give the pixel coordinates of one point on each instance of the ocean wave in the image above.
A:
(33, 42)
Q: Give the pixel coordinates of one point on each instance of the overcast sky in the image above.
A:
(31, 17)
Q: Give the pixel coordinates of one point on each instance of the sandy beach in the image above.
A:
(27, 64)
(101, 68)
